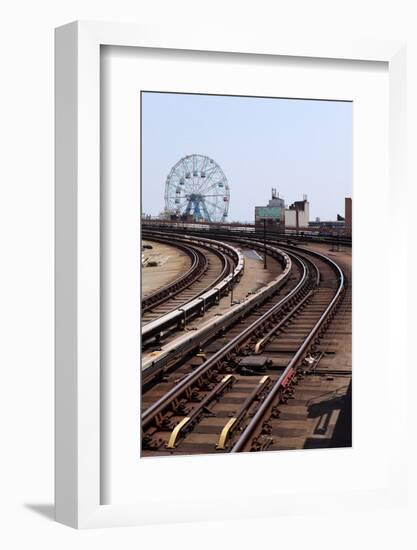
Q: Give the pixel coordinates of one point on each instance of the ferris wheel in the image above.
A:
(197, 186)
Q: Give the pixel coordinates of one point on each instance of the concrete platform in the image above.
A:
(171, 263)
(254, 278)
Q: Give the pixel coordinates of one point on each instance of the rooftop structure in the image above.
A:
(271, 215)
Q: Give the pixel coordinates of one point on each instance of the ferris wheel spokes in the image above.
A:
(192, 181)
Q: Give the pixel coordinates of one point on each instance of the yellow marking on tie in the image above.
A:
(176, 431)
(258, 346)
(225, 432)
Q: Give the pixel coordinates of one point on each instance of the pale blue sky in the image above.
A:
(297, 146)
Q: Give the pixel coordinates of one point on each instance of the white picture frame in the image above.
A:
(77, 239)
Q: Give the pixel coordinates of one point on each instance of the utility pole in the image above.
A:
(297, 220)
(264, 243)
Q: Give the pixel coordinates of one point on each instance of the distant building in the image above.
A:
(182, 217)
(330, 227)
(271, 215)
(340, 226)
(297, 215)
(348, 215)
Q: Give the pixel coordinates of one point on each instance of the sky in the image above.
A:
(296, 146)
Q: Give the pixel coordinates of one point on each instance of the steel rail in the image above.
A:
(178, 391)
(225, 270)
(255, 425)
(197, 306)
(224, 230)
(170, 355)
(198, 266)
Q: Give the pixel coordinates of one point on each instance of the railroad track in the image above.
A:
(228, 396)
(224, 233)
(198, 265)
(166, 349)
(223, 267)
(208, 267)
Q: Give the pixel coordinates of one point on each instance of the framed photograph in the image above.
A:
(219, 318)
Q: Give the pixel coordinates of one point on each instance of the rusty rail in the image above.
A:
(255, 426)
(198, 266)
(154, 330)
(156, 411)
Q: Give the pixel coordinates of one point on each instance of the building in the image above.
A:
(297, 215)
(340, 226)
(278, 218)
(348, 215)
(329, 227)
(272, 215)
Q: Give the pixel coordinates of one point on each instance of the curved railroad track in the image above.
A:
(167, 349)
(215, 267)
(226, 396)
(208, 267)
(198, 265)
